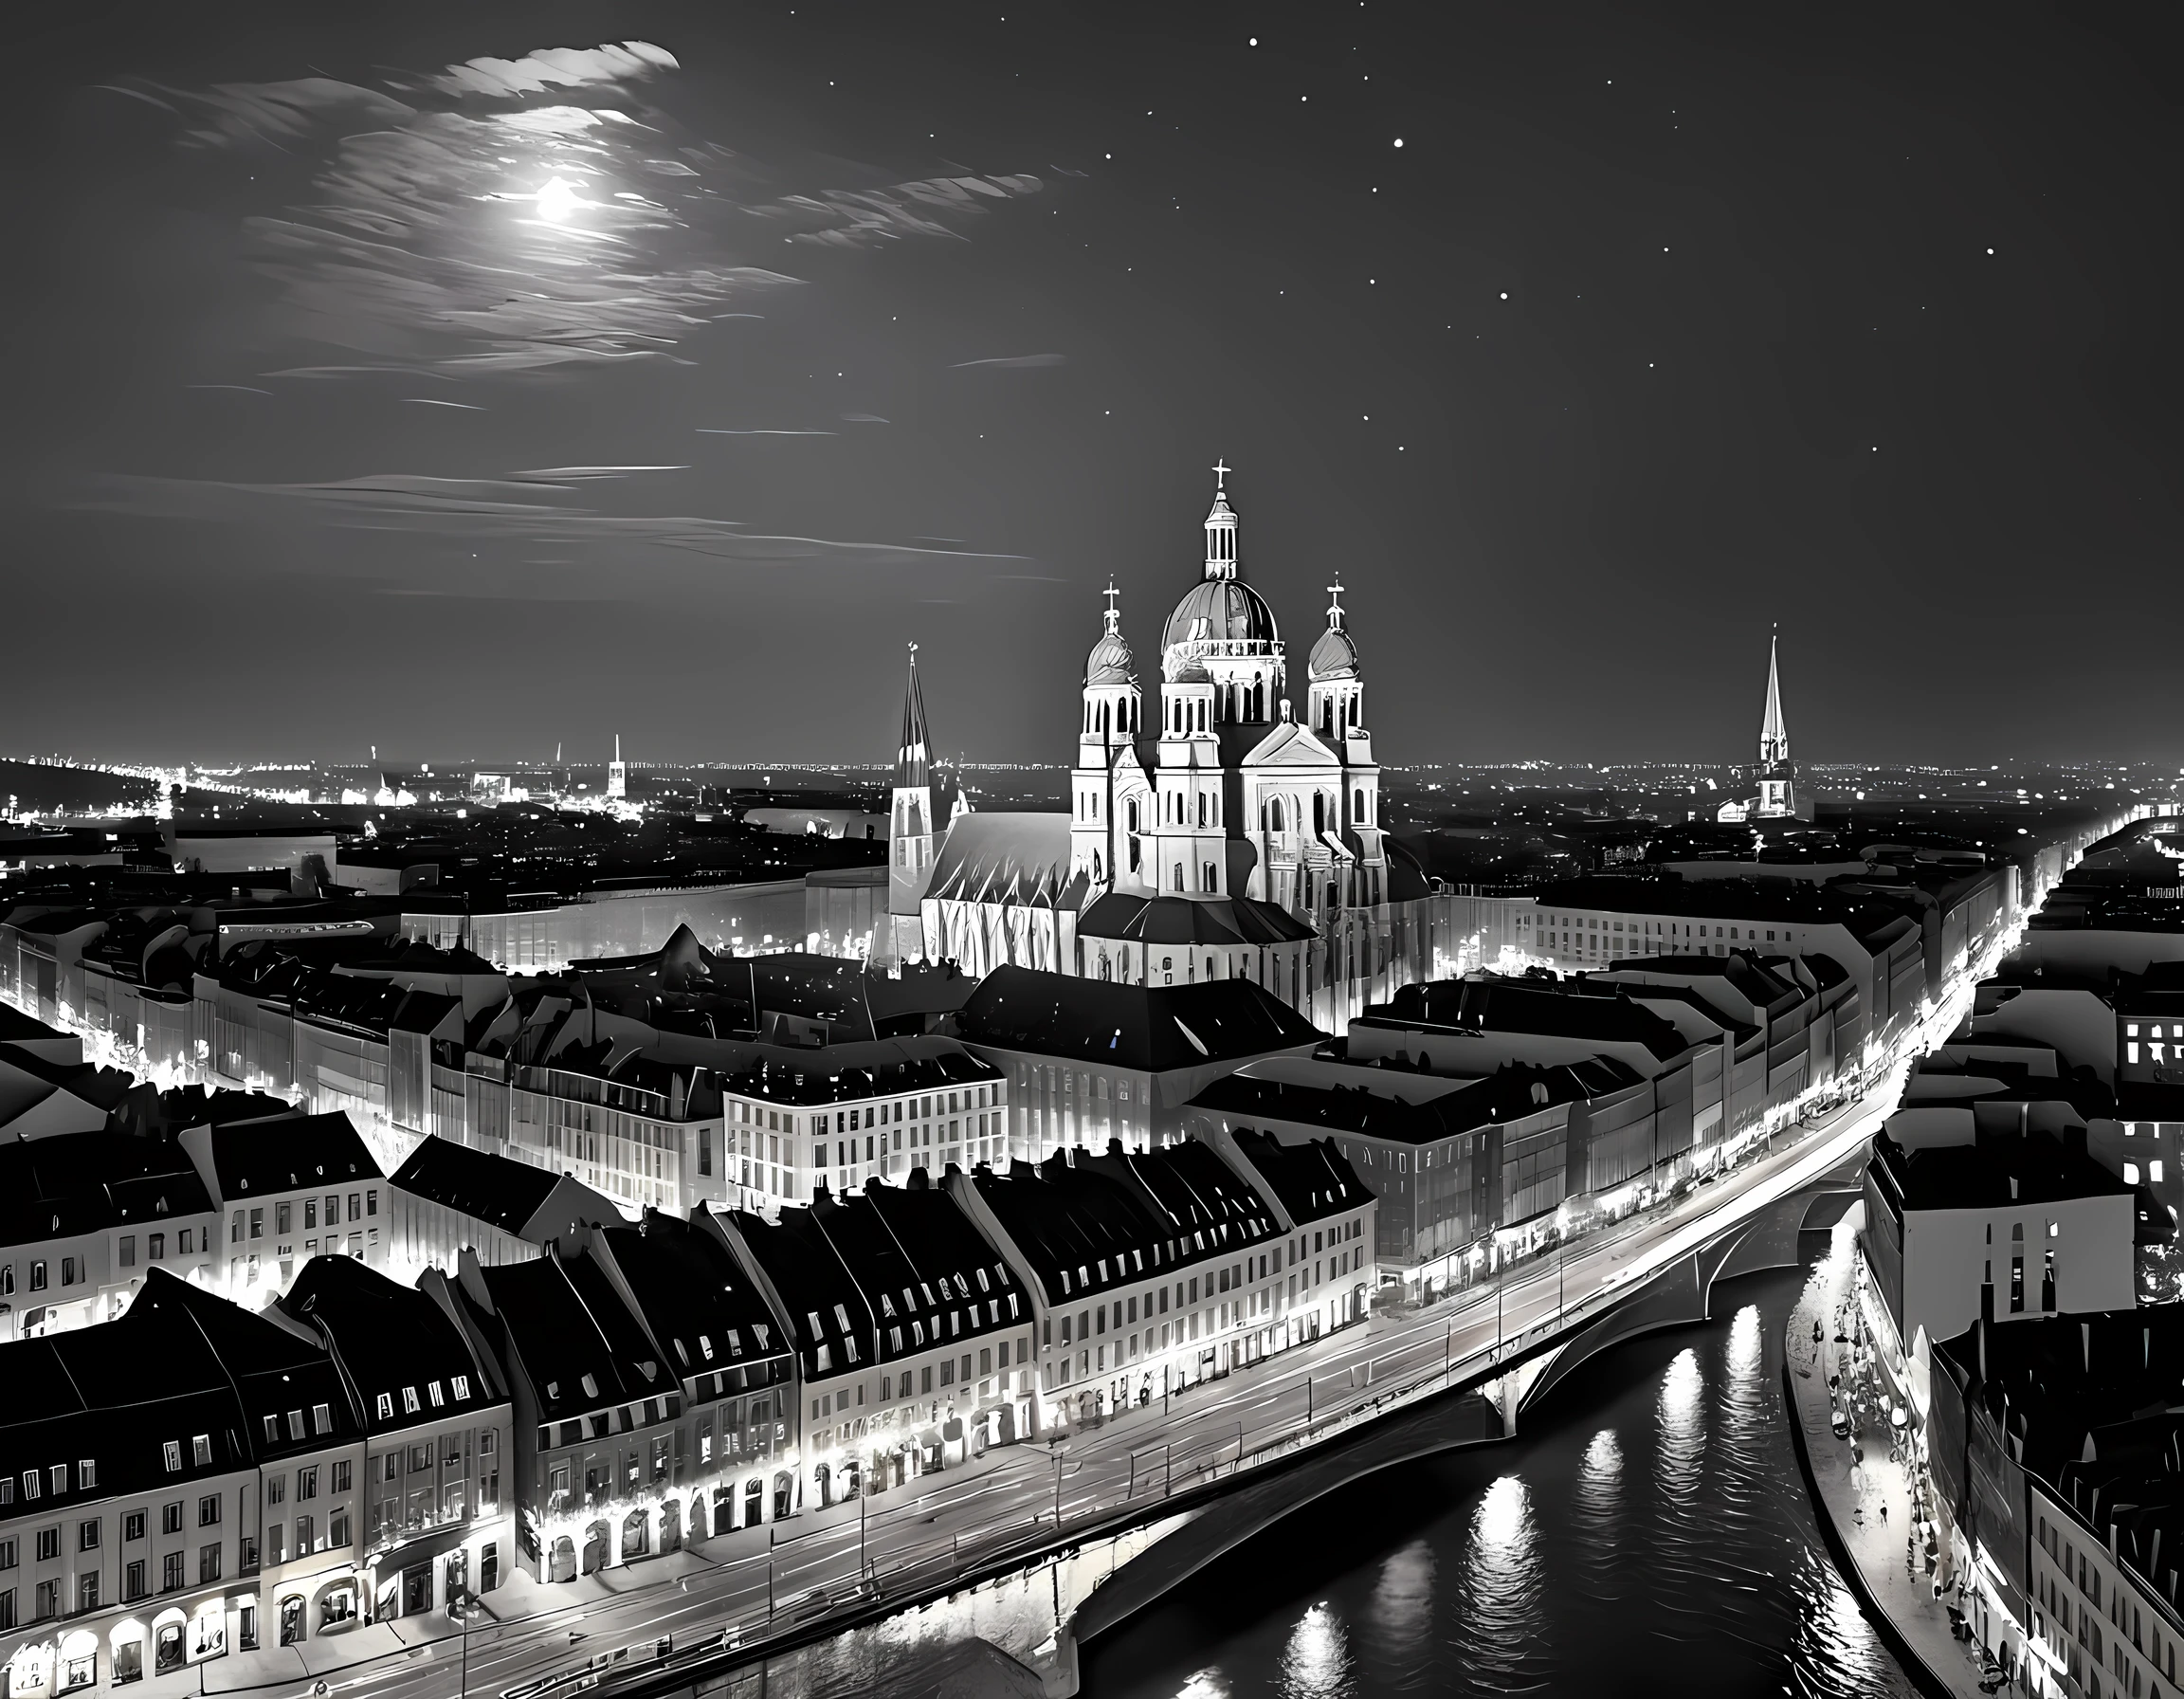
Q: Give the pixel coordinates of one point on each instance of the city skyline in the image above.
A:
(1629, 351)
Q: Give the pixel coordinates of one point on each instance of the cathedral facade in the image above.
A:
(1214, 832)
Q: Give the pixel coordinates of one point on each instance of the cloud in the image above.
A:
(555, 68)
(1015, 362)
(488, 510)
(532, 214)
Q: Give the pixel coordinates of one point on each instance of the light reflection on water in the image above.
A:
(1316, 1662)
(1649, 1519)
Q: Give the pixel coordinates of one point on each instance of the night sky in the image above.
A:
(372, 382)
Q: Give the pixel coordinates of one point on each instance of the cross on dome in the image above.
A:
(1114, 614)
(1334, 604)
(1221, 479)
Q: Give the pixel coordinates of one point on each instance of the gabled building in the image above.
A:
(435, 1523)
(732, 1354)
(290, 1190)
(1090, 1060)
(86, 1216)
(447, 1197)
(598, 1415)
(913, 1336)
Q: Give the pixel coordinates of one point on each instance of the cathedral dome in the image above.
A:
(1110, 662)
(1223, 610)
(1334, 656)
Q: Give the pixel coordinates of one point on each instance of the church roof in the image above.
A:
(1334, 656)
(1014, 858)
(1221, 609)
(1222, 922)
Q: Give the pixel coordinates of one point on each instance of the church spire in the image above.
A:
(1220, 529)
(913, 764)
(1774, 735)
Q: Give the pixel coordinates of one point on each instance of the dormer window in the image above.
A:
(591, 1386)
(461, 1388)
(553, 1392)
(841, 1315)
(410, 1404)
(812, 1316)
(705, 1345)
(386, 1406)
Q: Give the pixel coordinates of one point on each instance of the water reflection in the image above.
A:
(1596, 1516)
(1402, 1613)
(1316, 1662)
(1648, 1527)
(1500, 1621)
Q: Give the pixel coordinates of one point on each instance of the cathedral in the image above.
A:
(1214, 832)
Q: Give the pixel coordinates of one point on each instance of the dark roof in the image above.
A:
(1486, 1004)
(117, 1395)
(83, 1182)
(496, 1190)
(1152, 1029)
(250, 1159)
(390, 1341)
(1222, 922)
(1311, 1180)
(1978, 1175)
(693, 1296)
(1370, 1110)
(564, 1323)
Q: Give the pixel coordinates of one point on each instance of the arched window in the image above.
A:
(1265, 819)
(1179, 876)
(1319, 813)
(1359, 805)
(1096, 872)
(1201, 807)
(1209, 882)
(1133, 808)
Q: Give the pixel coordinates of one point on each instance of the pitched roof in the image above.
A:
(1311, 1179)
(496, 1190)
(1152, 1029)
(1011, 858)
(252, 1157)
(390, 1340)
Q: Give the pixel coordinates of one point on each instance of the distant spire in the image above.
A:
(913, 766)
(1334, 604)
(617, 745)
(1774, 735)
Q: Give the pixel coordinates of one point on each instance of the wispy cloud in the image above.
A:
(533, 214)
(1017, 362)
(510, 510)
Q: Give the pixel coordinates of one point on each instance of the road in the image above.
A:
(910, 1539)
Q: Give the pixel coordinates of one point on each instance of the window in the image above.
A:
(171, 1518)
(321, 1419)
(67, 1270)
(306, 1482)
(38, 1276)
(133, 1578)
(133, 1526)
(128, 1250)
(209, 1510)
(87, 1535)
(283, 1221)
(201, 1444)
(158, 1246)
(208, 1563)
(48, 1544)
(341, 1475)
(171, 1573)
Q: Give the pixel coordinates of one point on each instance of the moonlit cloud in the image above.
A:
(1015, 362)
(528, 214)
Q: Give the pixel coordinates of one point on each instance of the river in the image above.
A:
(1647, 1531)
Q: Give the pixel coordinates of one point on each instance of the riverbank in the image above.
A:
(1863, 1492)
